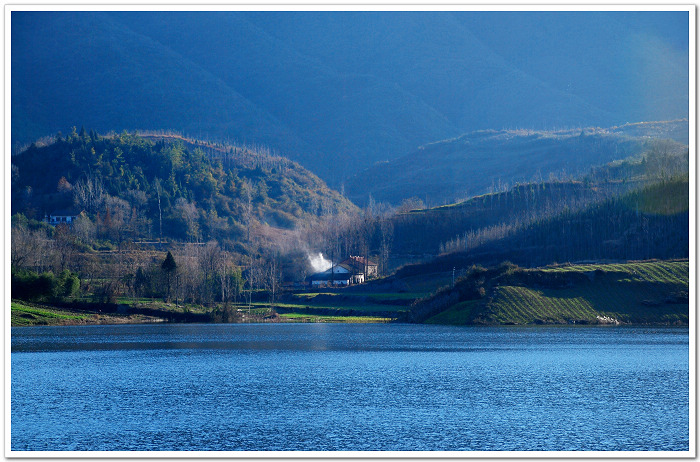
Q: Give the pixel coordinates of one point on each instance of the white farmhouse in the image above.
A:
(61, 216)
(337, 275)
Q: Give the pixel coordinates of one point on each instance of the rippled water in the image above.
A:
(281, 387)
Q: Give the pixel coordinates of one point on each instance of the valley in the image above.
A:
(446, 229)
(242, 224)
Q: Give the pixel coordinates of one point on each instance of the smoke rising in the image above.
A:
(319, 263)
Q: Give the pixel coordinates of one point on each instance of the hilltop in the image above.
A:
(491, 160)
(167, 186)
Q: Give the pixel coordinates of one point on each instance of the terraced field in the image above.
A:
(672, 272)
(652, 292)
(640, 292)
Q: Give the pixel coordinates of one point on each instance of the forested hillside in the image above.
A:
(132, 187)
(645, 223)
(429, 231)
(161, 216)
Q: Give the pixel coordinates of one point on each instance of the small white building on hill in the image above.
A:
(337, 275)
(62, 216)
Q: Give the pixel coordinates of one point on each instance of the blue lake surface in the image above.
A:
(328, 387)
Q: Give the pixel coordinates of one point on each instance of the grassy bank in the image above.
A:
(145, 311)
(31, 314)
(346, 305)
(300, 317)
(652, 292)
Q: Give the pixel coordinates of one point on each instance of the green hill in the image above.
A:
(131, 186)
(477, 225)
(651, 221)
(652, 292)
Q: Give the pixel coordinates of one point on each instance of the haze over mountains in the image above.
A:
(492, 160)
(340, 91)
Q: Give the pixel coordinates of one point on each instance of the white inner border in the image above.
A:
(289, 5)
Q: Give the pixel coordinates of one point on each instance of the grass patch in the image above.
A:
(299, 317)
(322, 302)
(425, 284)
(23, 314)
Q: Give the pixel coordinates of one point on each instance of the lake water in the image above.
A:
(328, 387)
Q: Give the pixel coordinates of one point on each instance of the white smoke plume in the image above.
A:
(319, 263)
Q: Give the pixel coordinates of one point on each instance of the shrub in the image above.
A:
(66, 285)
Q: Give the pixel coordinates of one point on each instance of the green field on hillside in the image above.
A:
(22, 314)
(638, 292)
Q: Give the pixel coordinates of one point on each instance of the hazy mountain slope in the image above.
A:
(76, 68)
(435, 57)
(477, 162)
(617, 62)
(349, 116)
(339, 91)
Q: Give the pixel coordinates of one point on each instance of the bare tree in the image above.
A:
(189, 213)
(272, 278)
(386, 233)
(160, 212)
(29, 247)
(247, 190)
(89, 193)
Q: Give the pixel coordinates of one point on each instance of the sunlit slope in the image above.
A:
(654, 292)
(488, 160)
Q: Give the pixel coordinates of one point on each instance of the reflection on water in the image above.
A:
(348, 387)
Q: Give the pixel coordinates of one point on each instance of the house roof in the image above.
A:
(65, 213)
(335, 275)
(358, 261)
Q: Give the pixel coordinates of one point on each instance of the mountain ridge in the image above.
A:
(339, 91)
(487, 160)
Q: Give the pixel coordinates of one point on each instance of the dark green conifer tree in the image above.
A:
(169, 267)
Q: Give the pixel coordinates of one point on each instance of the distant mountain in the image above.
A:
(339, 91)
(71, 68)
(489, 160)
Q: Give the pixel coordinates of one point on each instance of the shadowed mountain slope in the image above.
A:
(72, 69)
(339, 91)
